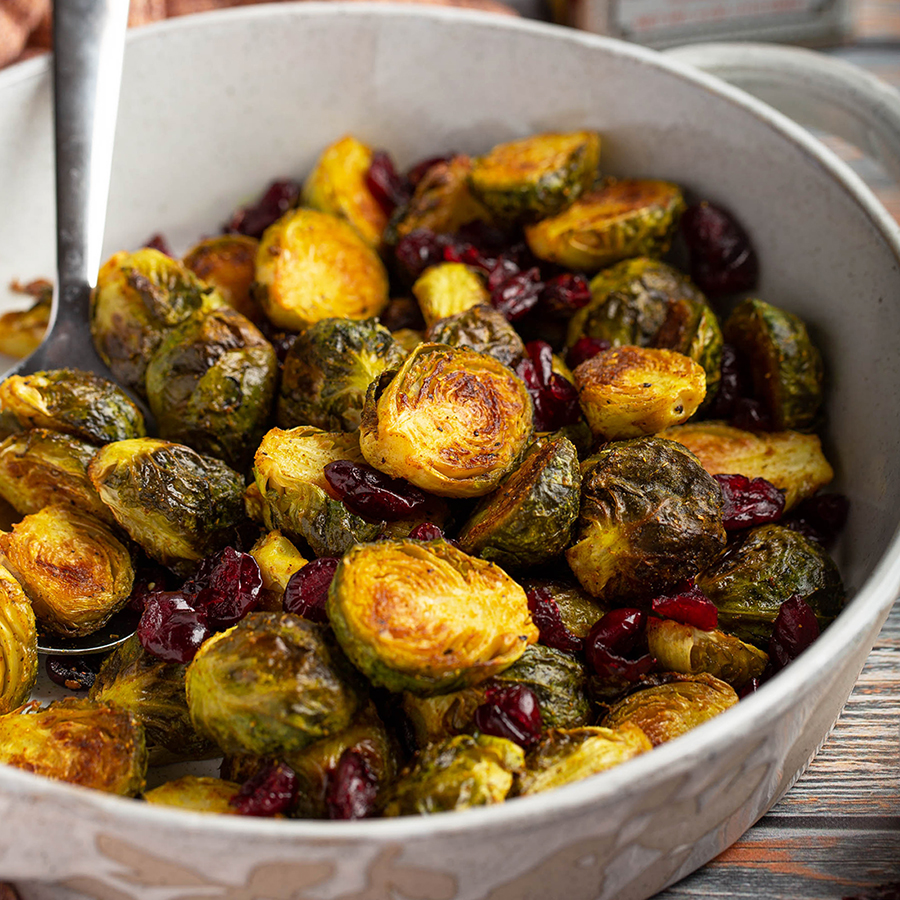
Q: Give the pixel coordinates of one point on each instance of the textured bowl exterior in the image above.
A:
(215, 106)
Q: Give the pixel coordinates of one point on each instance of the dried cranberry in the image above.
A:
(518, 294)
(307, 589)
(372, 494)
(418, 250)
(554, 398)
(820, 517)
(564, 294)
(751, 415)
(749, 502)
(148, 580)
(77, 673)
(159, 242)
(170, 627)
(270, 792)
(585, 348)
(352, 787)
(510, 712)
(386, 185)
(504, 268)
(546, 616)
(689, 605)
(469, 255)
(426, 531)
(794, 629)
(617, 634)
(490, 239)
(733, 384)
(722, 259)
(253, 220)
(233, 588)
(751, 687)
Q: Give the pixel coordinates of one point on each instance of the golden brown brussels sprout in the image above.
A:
(666, 711)
(451, 421)
(271, 685)
(74, 570)
(18, 644)
(211, 384)
(689, 651)
(312, 266)
(227, 262)
(337, 185)
(483, 329)
(448, 288)
(536, 176)
(577, 609)
(423, 616)
(624, 218)
(22, 330)
(138, 299)
(73, 402)
(567, 755)
(196, 793)
(174, 503)
(153, 691)
(792, 461)
(458, 773)
(650, 517)
(529, 518)
(79, 741)
(277, 559)
(785, 364)
(328, 370)
(629, 391)
(772, 563)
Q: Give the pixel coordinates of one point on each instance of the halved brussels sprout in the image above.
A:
(74, 570)
(627, 391)
(771, 564)
(138, 299)
(18, 644)
(451, 421)
(328, 370)
(529, 518)
(458, 773)
(92, 744)
(792, 461)
(785, 364)
(312, 266)
(437, 718)
(425, 617)
(227, 262)
(578, 610)
(651, 517)
(631, 217)
(277, 559)
(567, 755)
(536, 176)
(196, 793)
(337, 185)
(22, 330)
(173, 502)
(666, 711)
(448, 288)
(211, 384)
(483, 329)
(73, 402)
(271, 685)
(689, 651)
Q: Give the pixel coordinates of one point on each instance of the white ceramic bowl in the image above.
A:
(213, 107)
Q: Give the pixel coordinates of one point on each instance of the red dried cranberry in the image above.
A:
(751, 687)
(564, 294)
(77, 673)
(352, 787)
(270, 792)
(751, 415)
(159, 242)
(372, 494)
(417, 172)
(585, 348)
(616, 635)
(546, 616)
(386, 185)
(734, 383)
(233, 588)
(688, 605)
(469, 255)
(518, 294)
(170, 627)
(418, 250)
(253, 220)
(749, 502)
(820, 517)
(307, 589)
(794, 629)
(554, 398)
(722, 259)
(510, 712)
(504, 268)
(426, 531)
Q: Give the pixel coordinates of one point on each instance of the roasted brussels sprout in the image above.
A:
(74, 570)
(227, 262)
(271, 685)
(423, 616)
(174, 503)
(277, 559)
(448, 288)
(631, 217)
(436, 718)
(529, 518)
(211, 384)
(18, 644)
(666, 711)
(483, 329)
(567, 755)
(328, 370)
(627, 391)
(312, 266)
(22, 330)
(458, 773)
(73, 402)
(451, 421)
(196, 793)
(772, 563)
(650, 517)
(79, 741)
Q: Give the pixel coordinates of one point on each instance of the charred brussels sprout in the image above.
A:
(423, 616)
(79, 741)
(173, 502)
(18, 644)
(328, 370)
(529, 518)
(73, 402)
(74, 570)
(211, 384)
(277, 559)
(313, 266)
(451, 421)
(750, 582)
(483, 329)
(196, 793)
(625, 218)
(448, 288)
(650, 517)
(271, 685)
(458, 773)
(227, 262)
